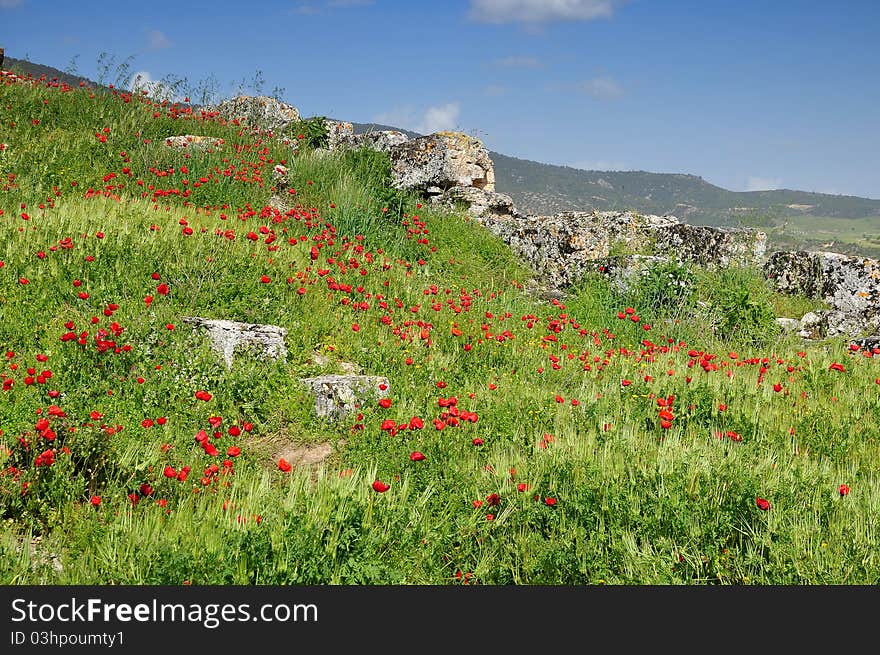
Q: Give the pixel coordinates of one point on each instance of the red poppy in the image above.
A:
(550, 501)
(95, 501)
(385, 403)
(380, 486)
(284, 465)
(762, 503)
(843, 490)
(416, 456)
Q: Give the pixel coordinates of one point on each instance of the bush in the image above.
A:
(665, 289)
(741, 307)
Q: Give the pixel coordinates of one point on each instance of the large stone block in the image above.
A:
(260, 112)
(337, 396)
(227, 336)
(439, 161)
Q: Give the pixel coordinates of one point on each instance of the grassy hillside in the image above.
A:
(604, 439)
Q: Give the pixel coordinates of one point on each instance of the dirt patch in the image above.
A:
(305, 455)
(310, 454)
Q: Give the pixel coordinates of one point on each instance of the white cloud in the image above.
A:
(9, 4)
(437, 119)
(763, 183)
(434, 119)
(602, 88)
(534, 12)
(156, 89)
(517, 62)
(158, 40)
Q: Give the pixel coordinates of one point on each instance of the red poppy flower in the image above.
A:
(380, 486)
(385, 403)
(284, 465)
(95, 501)
(762, 504)
(416, 456)
(843, 490)
(550, 501)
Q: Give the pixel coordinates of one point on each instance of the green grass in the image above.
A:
(561, 397)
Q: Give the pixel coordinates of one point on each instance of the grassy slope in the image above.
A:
(609, 495)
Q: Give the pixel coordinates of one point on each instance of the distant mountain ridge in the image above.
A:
(538, 188)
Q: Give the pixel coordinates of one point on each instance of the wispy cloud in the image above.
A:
(433, 119)
(754, 183)
(602, 88)
(312, 9)
(9, 4)
(495, 90)
(536, 12)
(346, 4)
(443, 117)
(158, 40)
(517, 62)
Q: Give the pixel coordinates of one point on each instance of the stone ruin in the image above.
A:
(453, 169)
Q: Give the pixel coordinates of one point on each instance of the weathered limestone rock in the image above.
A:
(279, 177)
(339, 134)
(711, 246)
(336, 396)
(438, 161)
(260, 112)
(479, 203)
(869, 343)
(827, 323)
(848, 284)
(193, 141)
(565, 246)
(788, 325)
(382, 140)
(227, 336)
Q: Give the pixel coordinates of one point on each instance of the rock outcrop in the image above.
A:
(383, 140)
(227, 336)
(849, 285)
(340, 134)
(431, 164)
(564, 247)
(337, 396)
(193, 141)
(478, 203)
(258, 112)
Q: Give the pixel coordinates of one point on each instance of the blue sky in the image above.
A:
(747, 94)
